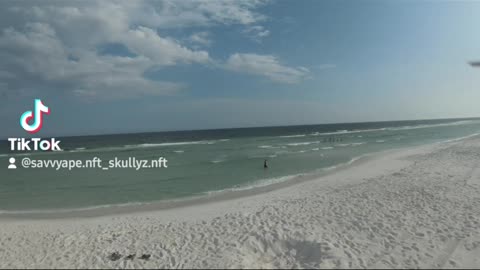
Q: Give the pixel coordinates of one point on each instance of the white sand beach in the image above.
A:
(410, 208)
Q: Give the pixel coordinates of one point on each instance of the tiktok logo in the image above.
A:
(36, 115)
(33, 144)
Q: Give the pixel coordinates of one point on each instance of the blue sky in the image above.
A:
(107, 67)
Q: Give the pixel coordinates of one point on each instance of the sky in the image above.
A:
(106, 67)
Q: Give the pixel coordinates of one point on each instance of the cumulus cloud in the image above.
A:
(163, 51)
(201, 38)
(56, 47)
(256, 32)
(174, 13)
(267, 66)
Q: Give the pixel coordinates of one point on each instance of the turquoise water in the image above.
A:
(204, 162)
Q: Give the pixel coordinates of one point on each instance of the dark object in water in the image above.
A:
(130, 257)
(145, 257)
(115, 256)
(265, 165)
(475, 64)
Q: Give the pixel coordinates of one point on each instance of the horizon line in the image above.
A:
(247, 127)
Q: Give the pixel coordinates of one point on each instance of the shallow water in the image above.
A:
(205, 162)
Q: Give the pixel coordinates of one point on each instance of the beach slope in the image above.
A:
(411, 208)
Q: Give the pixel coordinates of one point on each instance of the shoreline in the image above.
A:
(215, 196)
(410, 208)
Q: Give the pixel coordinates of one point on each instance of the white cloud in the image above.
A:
(256, 32)
(163, 51)
(55, 47)
(202, 13)
(201, 38)
(40, 60)
(267, 66)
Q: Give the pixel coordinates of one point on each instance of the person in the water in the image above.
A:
(265, 166)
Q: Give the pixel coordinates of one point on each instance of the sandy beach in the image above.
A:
(410, 208)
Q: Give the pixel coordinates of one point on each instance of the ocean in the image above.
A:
(203, 163)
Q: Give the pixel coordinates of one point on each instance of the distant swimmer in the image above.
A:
(265, 165)
(475, 64)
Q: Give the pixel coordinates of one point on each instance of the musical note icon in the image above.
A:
(37, 116)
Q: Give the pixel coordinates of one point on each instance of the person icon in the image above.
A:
(265, 165)
(12, 163)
